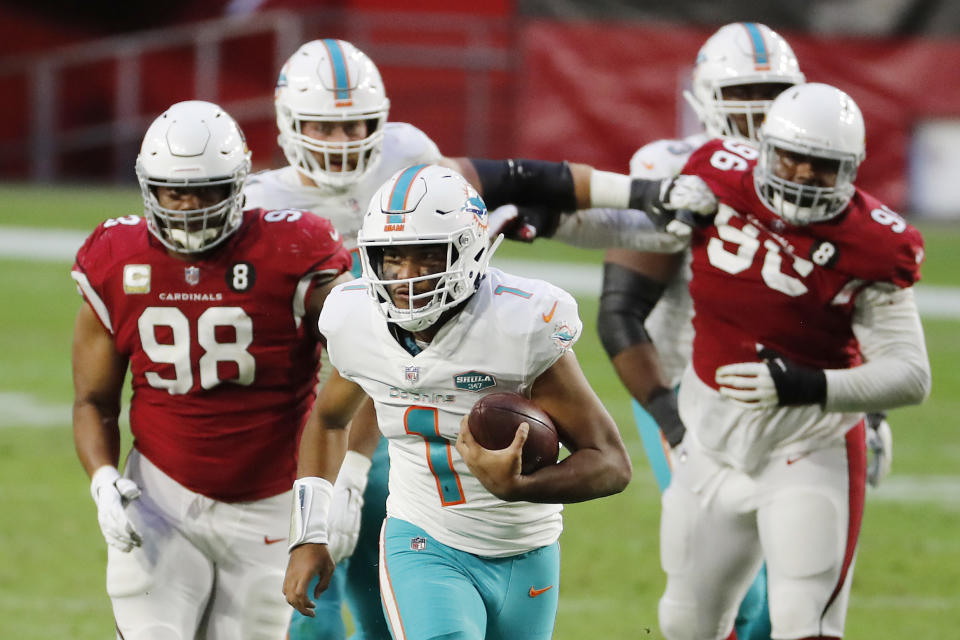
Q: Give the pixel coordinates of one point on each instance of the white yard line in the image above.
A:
(59, 245)
(26, 410)
(43, 245)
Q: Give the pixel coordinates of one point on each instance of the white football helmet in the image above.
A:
(813, 120)
(193, 144)
(330, 81)
(741, 53)
(426, 205)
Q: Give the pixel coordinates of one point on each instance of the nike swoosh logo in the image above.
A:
(335, 235)
(267, 540)
(792, 459)
(547, 317)
(535, 592)
(647, 165)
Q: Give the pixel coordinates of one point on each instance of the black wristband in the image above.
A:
(795, 383)
(662, 406)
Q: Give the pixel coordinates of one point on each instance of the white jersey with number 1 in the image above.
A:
(669, 323)
(508, 333)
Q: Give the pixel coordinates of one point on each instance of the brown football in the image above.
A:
(493, 421)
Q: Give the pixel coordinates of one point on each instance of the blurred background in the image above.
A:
(590, 80)
(585, 80)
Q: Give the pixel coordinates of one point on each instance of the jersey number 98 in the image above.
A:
(177, 352)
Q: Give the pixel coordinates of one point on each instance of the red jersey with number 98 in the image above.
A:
(223, 368)
(758, 280)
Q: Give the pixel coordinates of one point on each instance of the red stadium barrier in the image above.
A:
(595, 92)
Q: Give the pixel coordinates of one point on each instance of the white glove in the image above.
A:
(880, 447)
(749, 384)
(112, 492)
(690, 193)
(344, 519)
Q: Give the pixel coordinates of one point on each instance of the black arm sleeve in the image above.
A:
(628, 298)
(521, 182)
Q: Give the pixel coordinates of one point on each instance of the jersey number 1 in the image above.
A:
(424, 422)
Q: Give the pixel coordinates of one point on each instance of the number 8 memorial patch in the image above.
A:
(824, 254)
(241, 276)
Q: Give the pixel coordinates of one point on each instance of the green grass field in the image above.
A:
(52, 556)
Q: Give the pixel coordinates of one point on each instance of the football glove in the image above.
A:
(524, 223)
(777, 381)
(112, 493)
(664, 200)
(879, 446)
(344, 519)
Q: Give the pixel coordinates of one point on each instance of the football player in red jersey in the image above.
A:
(213, 309)
(804, 320)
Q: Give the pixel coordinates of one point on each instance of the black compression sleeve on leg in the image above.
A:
(628, 298)
(527, 183)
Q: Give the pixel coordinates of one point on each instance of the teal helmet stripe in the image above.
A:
(341, 78)
(760, 54)
(398, 196)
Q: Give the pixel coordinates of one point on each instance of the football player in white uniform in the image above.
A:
(469, 548)
(331, 108)
(332, 117)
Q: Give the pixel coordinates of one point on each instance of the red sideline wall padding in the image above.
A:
(595, 92)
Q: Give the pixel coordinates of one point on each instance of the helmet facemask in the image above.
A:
(193, 230)
(451, 285)
(800, 203)
(316, 158)
(739, 119)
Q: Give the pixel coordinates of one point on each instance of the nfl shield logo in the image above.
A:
(418, 543)
(412, 374)
(192, 274)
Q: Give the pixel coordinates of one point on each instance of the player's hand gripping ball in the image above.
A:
(493, 421)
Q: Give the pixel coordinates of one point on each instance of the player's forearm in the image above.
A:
(96, 436)
(897, 369)
(638, 368)
(615, 229)
(322, 448)
(588, 473)
(364, 433)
